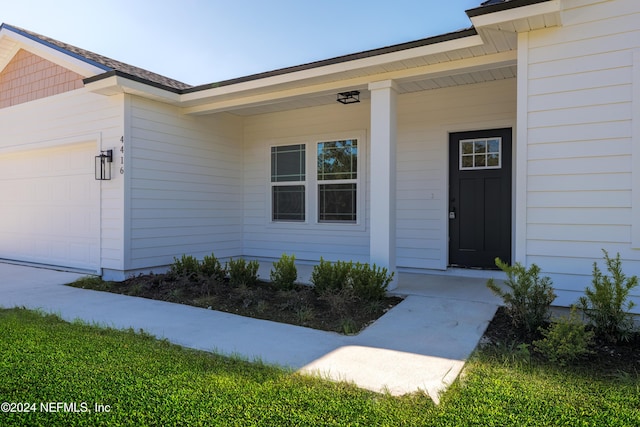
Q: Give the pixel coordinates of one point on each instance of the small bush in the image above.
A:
(92, 282)
(607, 305)
(529, 297)
(242, 272)
(370, 283)
(187, 265)
(566, 339)
(284, 273)
(328, 276)
(211, 267)
(348, 326)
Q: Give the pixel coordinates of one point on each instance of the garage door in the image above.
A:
(50, 206)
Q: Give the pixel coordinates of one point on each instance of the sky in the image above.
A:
(206, 41)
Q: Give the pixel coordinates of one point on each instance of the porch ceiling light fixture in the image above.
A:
(350, 97)
(103, 165)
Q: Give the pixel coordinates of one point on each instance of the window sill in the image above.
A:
(316, 226)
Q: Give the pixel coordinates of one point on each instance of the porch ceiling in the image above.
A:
(475, 63)
(408, 86)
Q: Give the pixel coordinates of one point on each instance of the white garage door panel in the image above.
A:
(50, 206)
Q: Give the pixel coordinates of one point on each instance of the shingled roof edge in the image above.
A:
(505, 5)
(47, 43)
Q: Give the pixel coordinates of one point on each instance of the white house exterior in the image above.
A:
(518, 137)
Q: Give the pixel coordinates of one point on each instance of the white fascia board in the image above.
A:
(462, 43)
(55, 55)
(518, 13)
(114, 85)
(478, 63)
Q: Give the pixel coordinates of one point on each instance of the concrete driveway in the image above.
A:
(421, 344)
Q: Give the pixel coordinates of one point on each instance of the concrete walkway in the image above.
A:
(421, 344)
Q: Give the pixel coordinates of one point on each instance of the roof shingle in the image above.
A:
(103, 62)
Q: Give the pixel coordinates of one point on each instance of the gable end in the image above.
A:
(28, 77)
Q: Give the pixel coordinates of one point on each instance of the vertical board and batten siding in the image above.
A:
(580, 142)
(425, 120)
(306, 241)
(185, 192)
(72, 119)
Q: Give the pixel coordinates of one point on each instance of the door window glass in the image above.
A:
(485, 153)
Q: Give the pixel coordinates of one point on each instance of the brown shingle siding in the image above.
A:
(28, 77)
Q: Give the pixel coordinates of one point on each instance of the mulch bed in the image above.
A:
(606, 357)
(341, 312)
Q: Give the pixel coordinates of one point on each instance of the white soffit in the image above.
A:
(463, 71)
(114, 85)
(525, 18)
(354, 66)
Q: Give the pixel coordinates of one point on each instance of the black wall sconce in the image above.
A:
(349, 97)
(103, 165)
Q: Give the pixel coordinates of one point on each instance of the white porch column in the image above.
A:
(382, 240)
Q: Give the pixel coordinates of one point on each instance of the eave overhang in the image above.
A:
(116, 82)
(488, 46)
(518, 15)
(13, 39)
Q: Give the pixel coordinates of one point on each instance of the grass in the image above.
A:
(500, 390)
(151, 382)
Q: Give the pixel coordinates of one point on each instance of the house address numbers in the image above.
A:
(122, 155)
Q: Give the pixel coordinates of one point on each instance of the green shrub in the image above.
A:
(348, 326)
(242, 272)
(187, 265)
(328, 276)
(284, 273)
(370, 283)
(607, 305)
(529, 297)
(92, 282)
(211, 267)
(565, 340)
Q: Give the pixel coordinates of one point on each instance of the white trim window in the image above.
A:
(483, 153)
(288, 183)
(337, 177)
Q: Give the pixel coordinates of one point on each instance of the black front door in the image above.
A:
(479, 198)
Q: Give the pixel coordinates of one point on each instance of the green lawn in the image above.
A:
(149, 382)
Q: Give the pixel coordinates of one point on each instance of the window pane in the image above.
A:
(337, 202)
(480, 147)
(338, 160)
(494, 146)
(480, 153)
(467, 161)
(288, 163)
(493, 160)
(288, 203)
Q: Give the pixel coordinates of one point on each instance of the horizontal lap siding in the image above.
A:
(186, 175)
(307, 242)
(579, 185)
(71, 117)
(424, 122)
